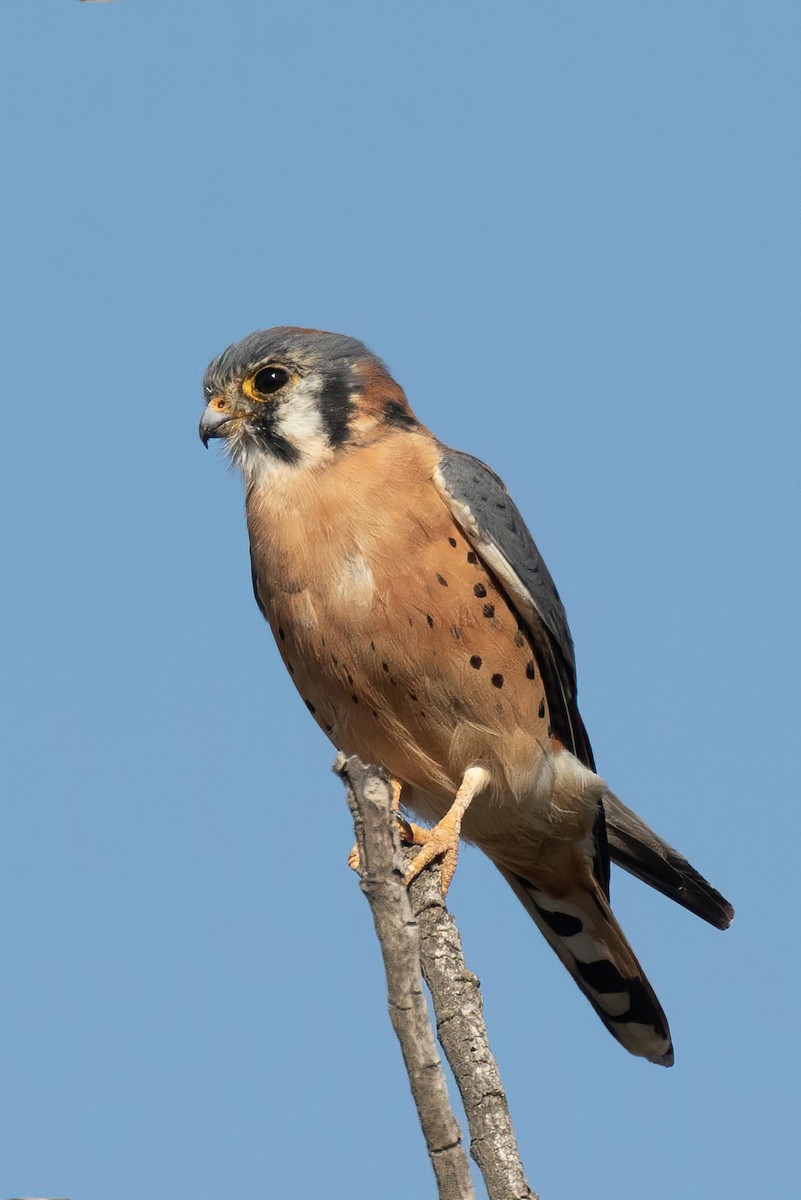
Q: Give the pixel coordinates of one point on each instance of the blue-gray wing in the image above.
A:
(492, 523)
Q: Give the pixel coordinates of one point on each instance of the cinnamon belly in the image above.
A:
(419, 664)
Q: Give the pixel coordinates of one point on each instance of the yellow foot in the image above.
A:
(410, 835)
(443, 840)
(440, 842)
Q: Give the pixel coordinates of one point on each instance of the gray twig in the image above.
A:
(417, 932)
(458, 1007)
(380, 871)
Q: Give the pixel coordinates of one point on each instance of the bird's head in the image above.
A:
(288, 398)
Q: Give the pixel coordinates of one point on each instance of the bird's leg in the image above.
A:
(407, 831)
(443, 840)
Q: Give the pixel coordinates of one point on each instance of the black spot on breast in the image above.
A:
(472, 557)
(452, 542)
(375, 713)
(310, 706)
(329, 728)
(335, 660)
(412, 696)
(442, 580)
(497, 681)
(372, 645)
(530, 671)
(355, 699)
(479, 590)
(541, 711)
(290, 668)
(430, 620)
(281, 634)
(550, 731)
(385, 666)
(475, 661)
(350, 679)
(488, 610)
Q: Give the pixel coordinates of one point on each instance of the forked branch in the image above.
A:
(417, 934)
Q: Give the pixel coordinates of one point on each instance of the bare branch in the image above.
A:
(463, 1035)
(381, 875)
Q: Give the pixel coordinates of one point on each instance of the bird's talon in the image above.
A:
(410, 835)
(413, 835)
(440, 842)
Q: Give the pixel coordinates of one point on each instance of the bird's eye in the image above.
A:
(269, 380)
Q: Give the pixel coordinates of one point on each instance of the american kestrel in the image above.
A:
(422, 629)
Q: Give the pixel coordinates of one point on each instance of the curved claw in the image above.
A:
(443, 840)
(410, 835)
(440, 842)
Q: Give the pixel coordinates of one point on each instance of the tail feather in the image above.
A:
(636, 848)
(582, 930)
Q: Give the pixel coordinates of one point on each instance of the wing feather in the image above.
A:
(493, 525)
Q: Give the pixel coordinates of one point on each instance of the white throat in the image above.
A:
(299, 423)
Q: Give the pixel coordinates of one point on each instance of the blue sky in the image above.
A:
(572, 231)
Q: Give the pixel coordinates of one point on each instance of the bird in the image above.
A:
(423, 630)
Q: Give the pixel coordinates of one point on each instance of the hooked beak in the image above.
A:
(213, 422)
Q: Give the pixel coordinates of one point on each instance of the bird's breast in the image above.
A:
(400, 641)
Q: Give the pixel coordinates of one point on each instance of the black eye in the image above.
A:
(269, 380)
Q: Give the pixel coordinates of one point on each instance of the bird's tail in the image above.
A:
(582, 929)
(636, 848)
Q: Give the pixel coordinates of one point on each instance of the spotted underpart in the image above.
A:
(483, 506)
(483, 683)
